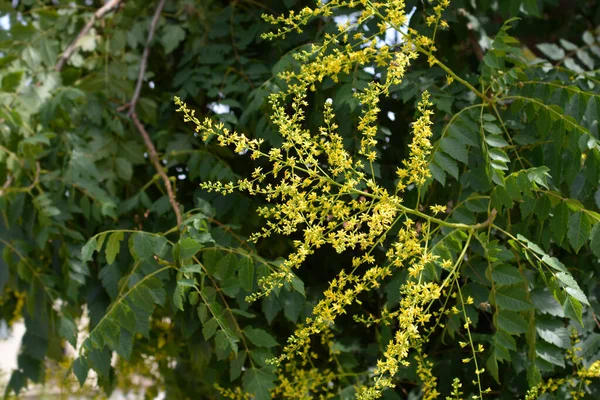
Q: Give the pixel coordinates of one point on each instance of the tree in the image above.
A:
(413, 206)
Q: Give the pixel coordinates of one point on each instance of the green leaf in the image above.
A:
(243, 313)
(550, 353)
(143, 245)
(492, 128)
(193, 298)
(4, 275)
(505, 340)
(572, 288)
(11, 81)
(123, 168)
(531, 7)
(505, 274)
(80, 369)
(68, 330)
(498, 155)
(188, 247)
(87, 251)
(492, 366)
(109, 276)
(259, 337)
(209, 328)
(554, 263)
(124, 345)
(455, 149)
(579, 230)
(573, 309)
(226, 267)
(553, 331)
(513, 298)
(298, 285)
(172, 35)
(271, 307)
(496, 141)
(259, 382)
(226, 341)
(590, 346)
(186, 282)
(246, 273)
(113, 246)
(546, 303)
(552, 51)
(531, 246)
(511, 322)
(501, 198)
(100, 241)
(100, 360)
(293, 306)
(125, 317)
(534, 377)
(437, 173)
(192, 269)
(235, 368)
(179, 295)
(595, 240)
(202, 312)
(560, 221)
(446, 163)
(539, 175)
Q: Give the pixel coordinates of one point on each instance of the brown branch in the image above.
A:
(156, 162)
(596, 319)
(6, 185)
(99, 14)
(138, 86)
(487, 222)
(231, 232)
(152, 154)
(476, 47)
(7, 189)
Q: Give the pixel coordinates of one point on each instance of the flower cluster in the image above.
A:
(325, 196)
(436, 18)
(416, 167)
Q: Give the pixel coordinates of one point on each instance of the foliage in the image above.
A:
(397, 221)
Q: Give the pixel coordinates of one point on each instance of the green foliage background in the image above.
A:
(78, 190)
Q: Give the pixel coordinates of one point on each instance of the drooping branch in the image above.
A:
(152, 154)
(99, 14)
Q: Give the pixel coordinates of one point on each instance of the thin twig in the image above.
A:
(152, 154)
(99, 14)
(138, 86)
(476, 47)
(7, 189)
(6, 185)
(487, 222)
(156, 162)
(596, 319)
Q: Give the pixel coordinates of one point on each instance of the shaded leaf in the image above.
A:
(113, 246)
(259, 337)
(579, 230)
(80, 369)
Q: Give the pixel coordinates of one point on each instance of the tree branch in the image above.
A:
(152, 154)
(487, 222)
(6, 185)
(99, 14)
(138, 86)
(156, 162)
